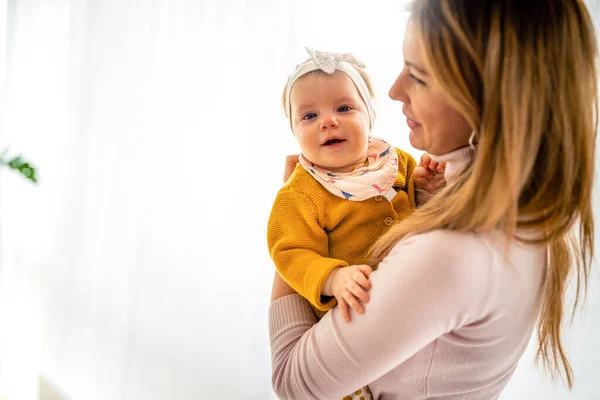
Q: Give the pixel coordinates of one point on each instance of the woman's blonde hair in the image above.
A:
(525, 78)
(362, 73)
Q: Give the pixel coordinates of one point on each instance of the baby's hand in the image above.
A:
(429, 174)
(349, 285)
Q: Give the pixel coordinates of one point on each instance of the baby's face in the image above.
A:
(330, 121)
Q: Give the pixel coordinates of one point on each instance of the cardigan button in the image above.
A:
(378, 198)
(388, 221)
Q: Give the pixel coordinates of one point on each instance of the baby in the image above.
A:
(347, 189)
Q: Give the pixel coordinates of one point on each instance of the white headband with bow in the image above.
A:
(329, 63)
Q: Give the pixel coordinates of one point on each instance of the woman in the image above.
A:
(461, 282)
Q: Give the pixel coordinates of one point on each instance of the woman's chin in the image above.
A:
(415, 140)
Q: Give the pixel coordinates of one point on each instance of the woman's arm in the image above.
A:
(417, 296)
(280, 288)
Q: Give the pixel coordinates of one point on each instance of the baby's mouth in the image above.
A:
(333, 141)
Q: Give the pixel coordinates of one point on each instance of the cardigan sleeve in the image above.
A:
(299, 247)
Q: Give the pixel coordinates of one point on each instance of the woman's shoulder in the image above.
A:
(448, 244)
(450, 273)
(473, 262)
(457, 256)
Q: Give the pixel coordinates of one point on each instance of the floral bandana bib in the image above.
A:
(376, 178)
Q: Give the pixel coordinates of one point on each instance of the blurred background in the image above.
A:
(137, 267)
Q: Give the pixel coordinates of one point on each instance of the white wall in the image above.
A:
(137, 268)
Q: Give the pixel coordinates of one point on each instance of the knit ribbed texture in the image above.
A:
(456, 162)
(300, 314)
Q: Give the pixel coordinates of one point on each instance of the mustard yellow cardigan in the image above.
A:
(312, 231)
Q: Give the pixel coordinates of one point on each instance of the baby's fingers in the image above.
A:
(358, 292)
(343, 306)
(360, 278)
(354, 303)
(425, 160)
(365, 269)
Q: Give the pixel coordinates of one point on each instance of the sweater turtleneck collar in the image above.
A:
(456, 161)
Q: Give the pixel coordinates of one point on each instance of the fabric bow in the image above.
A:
(327, 62)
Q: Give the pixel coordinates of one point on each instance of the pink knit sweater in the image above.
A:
(450, 316)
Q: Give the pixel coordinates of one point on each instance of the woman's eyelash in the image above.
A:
(416, 80)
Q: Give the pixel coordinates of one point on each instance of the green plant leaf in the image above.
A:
(20, 165)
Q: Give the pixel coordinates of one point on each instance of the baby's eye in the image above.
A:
(309, 116)
(344, 108)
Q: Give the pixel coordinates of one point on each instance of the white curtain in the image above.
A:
(138, 267)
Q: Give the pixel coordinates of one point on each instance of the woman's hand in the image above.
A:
(290, 166)
(280, 288)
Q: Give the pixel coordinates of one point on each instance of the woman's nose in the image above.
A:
(398, 90)
(329, 122)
